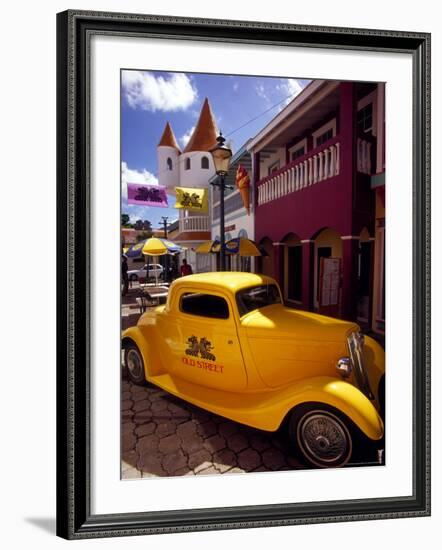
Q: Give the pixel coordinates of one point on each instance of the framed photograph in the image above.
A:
(243, 274)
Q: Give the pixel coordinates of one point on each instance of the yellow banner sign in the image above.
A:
(191, 199)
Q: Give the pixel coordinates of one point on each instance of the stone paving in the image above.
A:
(164, 436)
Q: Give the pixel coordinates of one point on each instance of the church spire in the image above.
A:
(204, 136)
(168, 138)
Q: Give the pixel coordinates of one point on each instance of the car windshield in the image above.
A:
(257, 297)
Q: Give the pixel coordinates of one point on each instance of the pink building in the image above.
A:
(319, 178)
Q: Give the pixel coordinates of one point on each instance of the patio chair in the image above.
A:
(144, 300)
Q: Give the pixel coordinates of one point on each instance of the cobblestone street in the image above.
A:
(164, 436)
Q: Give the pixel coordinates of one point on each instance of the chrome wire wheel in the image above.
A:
(323, 439)
(134, 363)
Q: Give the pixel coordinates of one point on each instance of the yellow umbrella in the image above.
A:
(157, 247)
(243, 247)
(208, 247)
(154, 246)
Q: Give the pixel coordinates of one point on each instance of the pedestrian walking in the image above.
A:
(124, 275)
(186, 269)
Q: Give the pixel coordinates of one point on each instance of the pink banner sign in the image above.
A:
(146, 195)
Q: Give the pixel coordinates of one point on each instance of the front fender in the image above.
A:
(374, 361)
(152, 361)
(338, 394)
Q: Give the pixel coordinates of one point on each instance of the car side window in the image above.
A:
(204, 305)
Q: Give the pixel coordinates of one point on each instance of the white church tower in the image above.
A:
(168, 159)
(192, 167)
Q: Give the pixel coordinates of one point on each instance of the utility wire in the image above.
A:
(284, 100)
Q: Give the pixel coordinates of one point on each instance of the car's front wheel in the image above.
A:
(133, 278)
(134, 363)
(320, 436)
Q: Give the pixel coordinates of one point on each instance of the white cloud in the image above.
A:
(174, 92)
(289, 88)
(261, 91)
(134, 211)
(235, 86)
(184, 139)
(129, 175)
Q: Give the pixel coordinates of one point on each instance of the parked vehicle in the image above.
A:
(155, 270)
(226, 343)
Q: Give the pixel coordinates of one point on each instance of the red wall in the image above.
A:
(305, 212)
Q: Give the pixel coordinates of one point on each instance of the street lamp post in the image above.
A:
(221, 155)
(166, 259)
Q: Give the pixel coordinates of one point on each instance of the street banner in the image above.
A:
(242, 181)
(193, 199)
(147, 195)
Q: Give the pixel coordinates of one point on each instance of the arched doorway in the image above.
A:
(327, 271)
(292, 268)
(265, 263)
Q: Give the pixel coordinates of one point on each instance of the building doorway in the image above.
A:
(294, 287)
(328, 246)
(292, 276)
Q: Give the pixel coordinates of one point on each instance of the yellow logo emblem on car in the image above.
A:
(201, 348)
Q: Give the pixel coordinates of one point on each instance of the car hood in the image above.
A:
(287, 344)
(293, 323)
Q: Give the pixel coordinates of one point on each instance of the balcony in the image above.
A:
(194, 223)
(320, 164)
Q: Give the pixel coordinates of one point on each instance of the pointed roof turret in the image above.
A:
(168, 138)
(204, 136)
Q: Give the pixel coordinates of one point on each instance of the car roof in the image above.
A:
(228, 280)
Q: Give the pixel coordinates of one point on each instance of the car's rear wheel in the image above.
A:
(320, 436)
(134, 363)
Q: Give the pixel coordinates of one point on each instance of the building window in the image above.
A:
(169, 163)
(297, 153)
(187, 164)
(205, 163)
(322, 138)
(365, 119)
(294, 283)
(204, 305)
(273, 167)
(324, 133)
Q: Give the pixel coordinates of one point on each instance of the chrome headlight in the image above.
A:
(355, 343)
(343, 366)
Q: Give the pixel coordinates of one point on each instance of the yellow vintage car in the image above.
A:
(225, 342)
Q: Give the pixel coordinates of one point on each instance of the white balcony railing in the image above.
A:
(300, 174)
(194, 223)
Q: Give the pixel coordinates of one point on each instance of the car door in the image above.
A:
(202, 341)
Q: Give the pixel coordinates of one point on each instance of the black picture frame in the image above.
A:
(74, 518)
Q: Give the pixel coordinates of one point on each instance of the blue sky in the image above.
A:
(242, 105)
